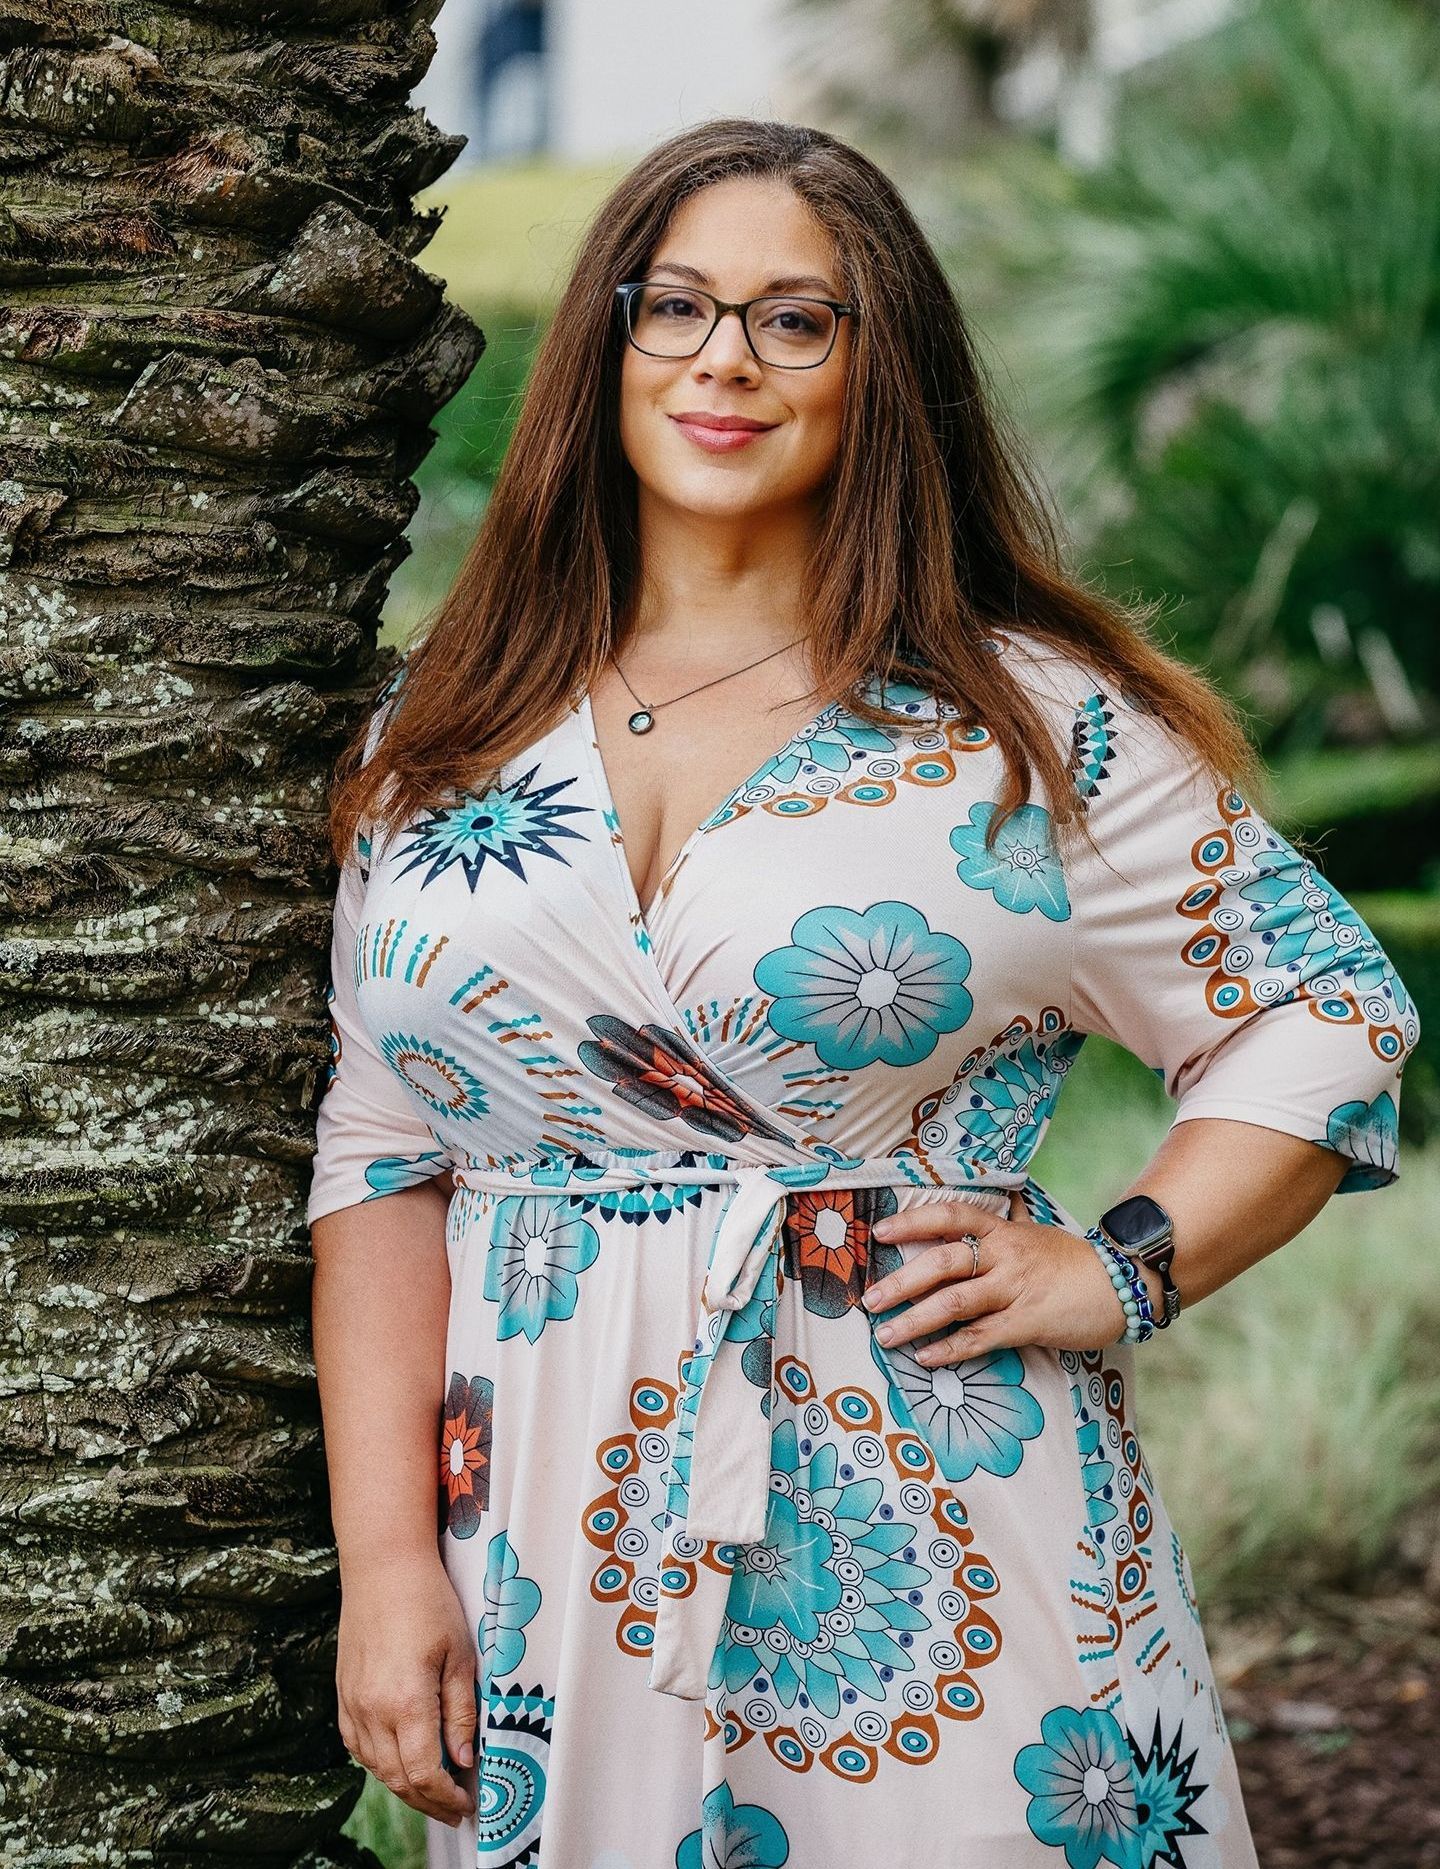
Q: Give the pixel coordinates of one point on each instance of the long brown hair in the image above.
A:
(935, 527)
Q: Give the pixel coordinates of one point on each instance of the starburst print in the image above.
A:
(502, 825)
(1164, 1793)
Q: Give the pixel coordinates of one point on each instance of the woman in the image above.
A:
(686, 1075)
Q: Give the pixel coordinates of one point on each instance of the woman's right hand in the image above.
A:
(405, 1670)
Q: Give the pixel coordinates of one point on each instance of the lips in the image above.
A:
(696, 418)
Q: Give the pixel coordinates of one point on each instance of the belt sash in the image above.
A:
(729, 1486)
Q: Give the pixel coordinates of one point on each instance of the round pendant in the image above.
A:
(642, 721)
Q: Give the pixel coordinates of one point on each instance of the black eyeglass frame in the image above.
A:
(626, 293)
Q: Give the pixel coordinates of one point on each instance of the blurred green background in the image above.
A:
(1222, 345)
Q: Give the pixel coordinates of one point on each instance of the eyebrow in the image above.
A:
(783, 282)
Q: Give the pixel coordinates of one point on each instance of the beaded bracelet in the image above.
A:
(1130, 1288)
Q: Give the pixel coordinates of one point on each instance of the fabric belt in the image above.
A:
(729, 1481)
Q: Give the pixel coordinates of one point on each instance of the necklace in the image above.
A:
(643, 719)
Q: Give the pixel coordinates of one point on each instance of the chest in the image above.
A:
(665, 783)
(832, 948)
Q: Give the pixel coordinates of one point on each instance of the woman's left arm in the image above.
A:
(1207, 945)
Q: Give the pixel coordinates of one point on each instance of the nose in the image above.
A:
(727, 350)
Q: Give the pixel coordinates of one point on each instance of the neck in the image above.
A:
(716, 588)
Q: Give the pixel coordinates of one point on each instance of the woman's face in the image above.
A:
(737, 239)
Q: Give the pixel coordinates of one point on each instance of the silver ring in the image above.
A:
(973, 1243)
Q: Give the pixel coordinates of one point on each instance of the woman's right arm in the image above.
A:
(378, 1198)
(406, 1663)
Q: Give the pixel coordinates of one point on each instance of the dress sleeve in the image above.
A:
(370, 1139)
(1208, 946)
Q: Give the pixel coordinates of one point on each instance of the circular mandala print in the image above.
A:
(859, 1622)
(630, 1521)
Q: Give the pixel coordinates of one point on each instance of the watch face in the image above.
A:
(1136, 1223)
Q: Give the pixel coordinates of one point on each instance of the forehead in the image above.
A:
(748, 226)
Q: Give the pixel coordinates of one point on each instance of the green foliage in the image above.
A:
(473, 431)
(382, 1823)
(1233, 330)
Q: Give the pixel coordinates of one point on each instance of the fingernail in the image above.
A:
(870, 1300)
(886, 1333)
(466, 1754)
(881, 1229)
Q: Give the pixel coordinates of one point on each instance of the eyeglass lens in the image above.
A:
(669, 321)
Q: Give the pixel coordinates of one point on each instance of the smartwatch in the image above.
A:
(1141, 1228)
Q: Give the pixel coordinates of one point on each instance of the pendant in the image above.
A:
(642, 721)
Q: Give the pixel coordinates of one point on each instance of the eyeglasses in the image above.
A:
(676, 321)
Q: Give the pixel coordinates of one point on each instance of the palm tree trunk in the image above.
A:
(218, 362)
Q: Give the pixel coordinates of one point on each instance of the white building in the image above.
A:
(596, 80)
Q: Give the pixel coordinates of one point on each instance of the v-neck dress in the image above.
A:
(747, 1587)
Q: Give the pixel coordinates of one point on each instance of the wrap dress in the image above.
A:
(747, 1587)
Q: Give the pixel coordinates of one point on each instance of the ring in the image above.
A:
(973, 1243)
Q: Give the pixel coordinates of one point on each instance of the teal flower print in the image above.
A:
(1165, 1791)
(538, 1248)
(501, 826)
(511, 1601)
(831, 743)
(866, 987)
(976, 1415)
(1097, 1474)
(389, 1174)
(1307, 928)
(734, 1836)
(1022, 871)
(1092, 740)
(1082, 1789)
(1369, 1133)
(517, 1727)
(999, 1110)
(824, 1603)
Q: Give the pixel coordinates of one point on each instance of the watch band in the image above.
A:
(1170, 1293)
(1139, 1227)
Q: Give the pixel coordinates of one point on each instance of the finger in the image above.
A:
(978, 1338)
(458, 1714)
(963, 1299)
(350, 1739)
(948, 1259)
(362, 1742)
(431, 1788)
(382, 1761)
(938, 1220)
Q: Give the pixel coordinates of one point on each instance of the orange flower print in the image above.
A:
(465, 1452)
(829, 1249)
(662, 1073)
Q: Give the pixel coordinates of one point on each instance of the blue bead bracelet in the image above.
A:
(1130, 1288)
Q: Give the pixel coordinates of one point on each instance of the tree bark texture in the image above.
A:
(218, 364)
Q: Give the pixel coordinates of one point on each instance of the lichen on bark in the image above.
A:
(219, 358)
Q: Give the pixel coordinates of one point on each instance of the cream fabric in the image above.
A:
(747, 1588)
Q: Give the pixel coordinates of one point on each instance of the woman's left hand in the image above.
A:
(1035, 1285)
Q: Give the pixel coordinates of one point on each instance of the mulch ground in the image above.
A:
(1336, 1723)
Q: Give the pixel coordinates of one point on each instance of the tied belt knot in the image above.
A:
(730, 1415)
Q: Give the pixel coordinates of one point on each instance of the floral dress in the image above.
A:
(748, 1588)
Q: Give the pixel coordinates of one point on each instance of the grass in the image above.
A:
(511, 230)
(382, 1823)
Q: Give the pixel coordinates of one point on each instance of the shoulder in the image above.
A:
(1120, 747)
(386, 700)
(1063, 677)
(1049, 676)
